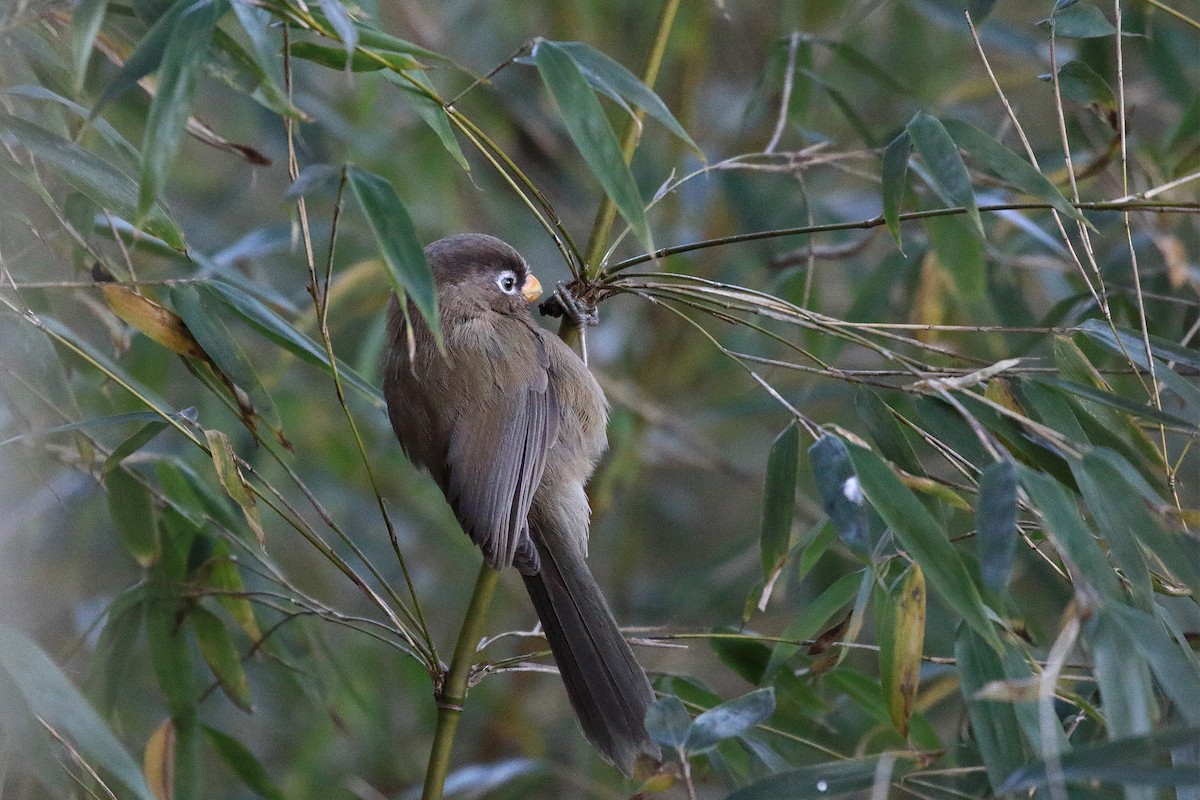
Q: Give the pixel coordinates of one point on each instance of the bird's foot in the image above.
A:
(574, 308)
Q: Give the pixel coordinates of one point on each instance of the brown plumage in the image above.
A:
(510, 423)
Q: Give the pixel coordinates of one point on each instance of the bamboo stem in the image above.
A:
(453, 691)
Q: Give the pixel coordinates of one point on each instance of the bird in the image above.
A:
(510, 423)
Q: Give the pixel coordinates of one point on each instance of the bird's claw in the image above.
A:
(563, 302)
(572, 307)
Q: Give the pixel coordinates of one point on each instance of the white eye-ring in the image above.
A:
(507, 281)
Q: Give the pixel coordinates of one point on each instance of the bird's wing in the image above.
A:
(497, 451)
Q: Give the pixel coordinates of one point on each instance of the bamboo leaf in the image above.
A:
(133, 515)
(1129, 760)
(589, 128)
(158, 761)
(223, 578)
(85, 24)
(994, 726)
(183, 55)
(342, 25)
(1078, 21)
(195, 307)
(729, 719)
(243, 763)
(996, 523)
(431, 112)
(841, 492)
(1069, 532)
(225, 463)
(397, 242)
(895, 181)
(809, 622)
(667, 722)
(901, 638)
(283, 333)
(830, 779)
(92, 175)
(50, 695)
(335, 58)
(221, 656)
(941, 156)
(144, 59)
(1007, 165)
(611, 78)
(924, 539)
(779, 498)
(1112, 400)
(1080, 83)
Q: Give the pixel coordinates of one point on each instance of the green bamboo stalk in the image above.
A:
(452, 694)
(607, 213)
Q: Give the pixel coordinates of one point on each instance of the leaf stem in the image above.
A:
(452, 693)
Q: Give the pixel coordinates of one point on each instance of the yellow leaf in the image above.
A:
(235, 484)
(158, 764)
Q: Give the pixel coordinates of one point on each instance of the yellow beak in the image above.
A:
(532, 289)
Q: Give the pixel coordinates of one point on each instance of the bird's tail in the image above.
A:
(607, 688)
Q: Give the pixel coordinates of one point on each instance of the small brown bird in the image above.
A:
(510, 423)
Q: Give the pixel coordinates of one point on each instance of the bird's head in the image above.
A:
(481, 271)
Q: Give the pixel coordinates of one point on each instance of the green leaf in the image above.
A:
(221, 656)
(335, 58)
(840, 491)
(1082, 84)
(667, 722)
(397, 241)
(996, 523)
(895, 181)
(92, 175)
(1121, 516)
(431, 112)
(98, 422)
(225, 464)
(994, 726)
(901, 637)
(1007, 165)
(114, 649)
(85, 24)
(195, 307)
(51, 696)
(48, 695)
(342, 25)
(779, 498)
(924, 539)
(223, 578)
(1142, 410)
(611, 78)
(729, 719)
(1070, 534)
(97, 360)
(132, 513)
(376, 39)
(182, 57)
(243, 763)
(589, 128)
(809, 622)
(144, 59)
(283, 333)
(1129, 760)
(1127, 343)
(831, 779)
(1079, 21)
(945, 164)
(1176, 673)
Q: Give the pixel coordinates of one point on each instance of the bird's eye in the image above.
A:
(507, 282)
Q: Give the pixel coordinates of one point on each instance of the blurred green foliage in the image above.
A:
(967, 566)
